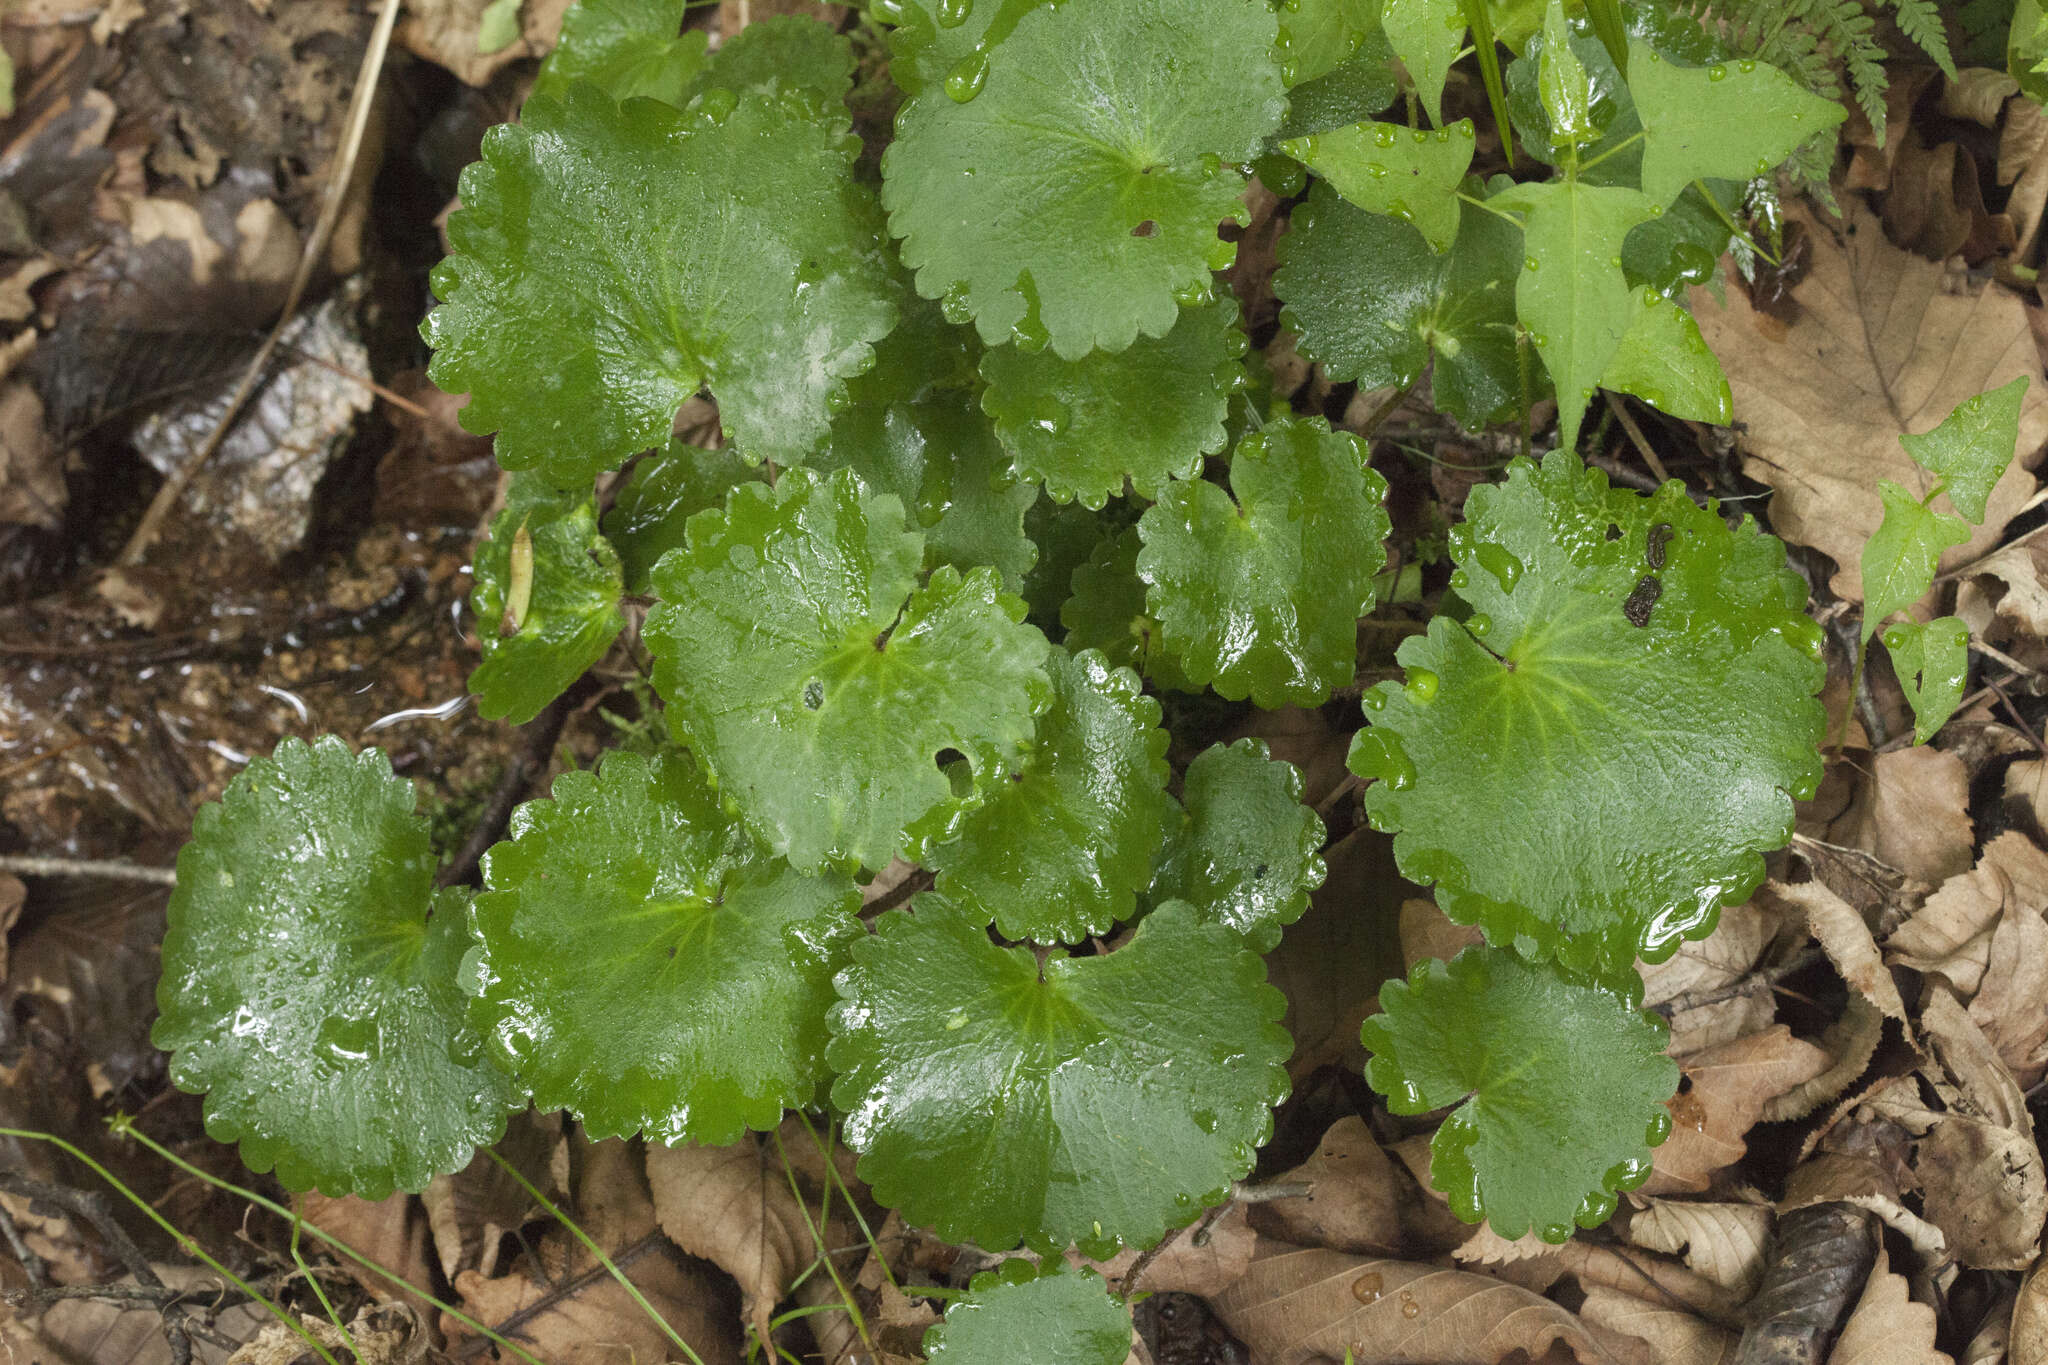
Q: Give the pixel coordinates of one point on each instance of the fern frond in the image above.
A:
(1920, 20)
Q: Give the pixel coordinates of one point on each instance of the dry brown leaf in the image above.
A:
(32, 487)
(2009, 1004)
(1304, 737)
(117, 1334)
(1935, 207)
(1296, 1304)
(1951, 933)
(1673, 1336)
(1185, 1265)
(1724, 1242)
(1728, 1087)
(1427, 933)
(596, 1322)
(2023, 164)
(1977, 93)
(1707, 982)
(1983, 1188)
(1884, 345)
(1357, 1197)
(392, 1232)
(1850, 1041)
(734, 1207)
(1846, 939)
(1886, 1327)
(444, 33)
(1914, 813)
(1982, 1084)
(471, 1211)
(386, 1334)
(2023, 569)
(1527, 1261)
(2030, 1317)
(12, 893)
(2026, 786)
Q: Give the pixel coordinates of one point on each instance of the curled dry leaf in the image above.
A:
(1670, 1336)
(1951, 932)
(2008, 1003)
(2022, 567)
(471, 1211)
(1881, 347)
(1850, 1041)
(1709, 988)
(734, 1207)
(1724, 1242)
(1727, 1088)
(1846, 939)
(1886, 1327)
(1426, 932)
(1914, 813)
(1819, 1260)
(1203, 1260)
(2029, 1339)
(1294, 1305)
(1356, 1201)
(392, 1232)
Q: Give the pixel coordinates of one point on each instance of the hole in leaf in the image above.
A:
(1613, 531)
(1148, 228)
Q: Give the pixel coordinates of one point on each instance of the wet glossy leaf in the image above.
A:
(610, 259)
(1562, 84)
(1107, 612)
(1933, 664)
(1260, 596)
(627, 48)
(1664, 361)
(1097, 1099)
(1249, 852)
(545, 610)
(1900, 557)
(1405, 173)
(1117, 122)
(1061, 850)
(1572, 295)
(1059, 1317)
(819, 682)
(1066, 533)
(1972, 446)
(1650, 691)
(1355, 92)
(1374, 304)
(1148, 413)
(1560, 1083)
(646, 966)
(647, 517)
(1318, 36)
(309, 982)
(784, 52)
(1427, 36)
(1732, 119)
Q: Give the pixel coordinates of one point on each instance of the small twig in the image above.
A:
(30, 1262)
(30, 764)
(396, 400)
(157, 1296)
(2021, 721)
(1635, 435)
(1964, 570)
(537, 745)
(1766, 977)
(341, 173)
(109, 869)
(1999, 656)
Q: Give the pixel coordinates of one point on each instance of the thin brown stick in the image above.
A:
(1635, 435)
(34, 761)
(335, 199)
(107, 869)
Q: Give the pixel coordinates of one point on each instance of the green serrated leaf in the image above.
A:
(1250, 852)
(1596, 689)
(1058, 1317)
(1118, 121)
(938, 455)
(1572, 294)
(785, 52)
(1560, 1083)
(1427, 36)
(1971, 448)
(546, 600)
(612, 259)
(1091, 1099)
(645, 966)
(1933, 664)
(1375, 305)
(1061, 850)
(1259, 596)
(1148, 413)
(627, 48)
(819, 683)
(1066, 533)
(1107, 612)
(1664, 361)
(1561, 82)
(1405, 173)
(1318, 36)
(309, 980)
(1732, 119)
(1901, 556)
(1355, 92)
(646, 520)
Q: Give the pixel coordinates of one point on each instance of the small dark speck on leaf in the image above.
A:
(1148, 228)
(1653, 549)
(1613, 531)
(1640, 602)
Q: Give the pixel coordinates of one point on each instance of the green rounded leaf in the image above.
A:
(1560, 1083)
(647, 517)
(1595, 762)
(1107, 612)
(1733, 119)
(1250, 851)
(1057, 1317)
(1260, 597)
(1148, 413)
(1374, 304)
(1094, 1099)
(785, 52)
(819, 682)
(1318, 36)
(309, 980)
(646, 967)
(1664, 361)
(627, 48)
(546, 609)
(1933, 664)
(610, 260)
(1117, 122)
(1061, 850)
